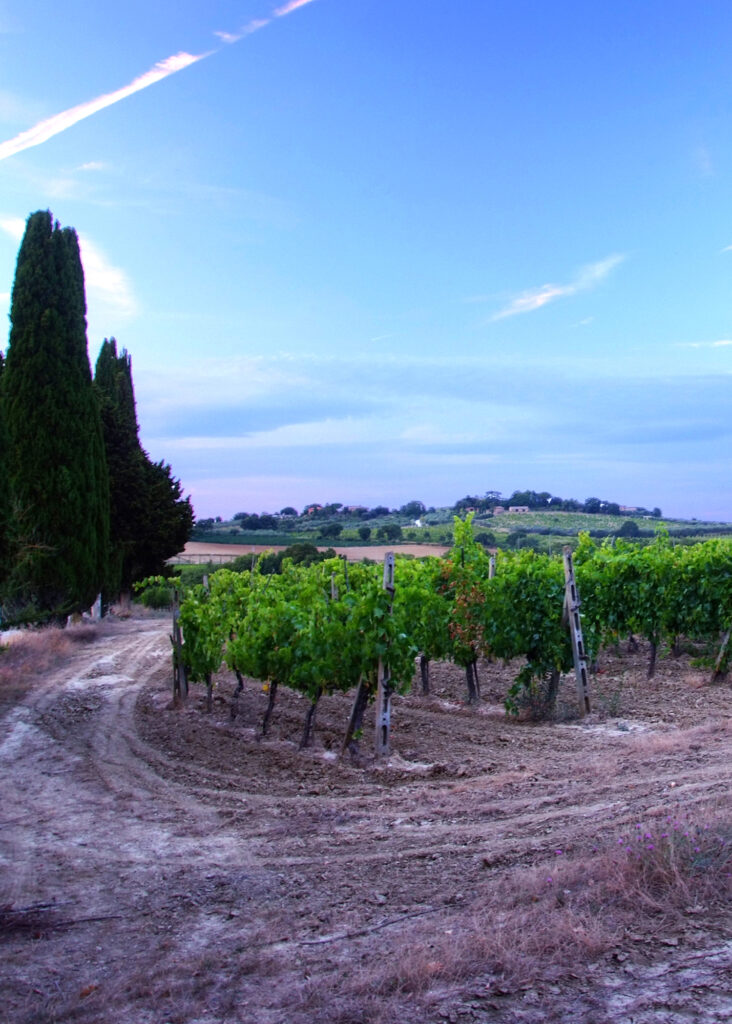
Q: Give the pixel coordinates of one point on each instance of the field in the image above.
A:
(220, 554)
(165, 865)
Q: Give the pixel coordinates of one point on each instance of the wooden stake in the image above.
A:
(571, 616)
(180, 679)
(718, 666)
(383, 684)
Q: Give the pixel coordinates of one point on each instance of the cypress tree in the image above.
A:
(113, 385)
(4, 496)
(149, 518)
(56, 467)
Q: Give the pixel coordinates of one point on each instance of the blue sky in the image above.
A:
(377, 250)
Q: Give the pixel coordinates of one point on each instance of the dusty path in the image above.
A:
(162, 865)
(92, 833)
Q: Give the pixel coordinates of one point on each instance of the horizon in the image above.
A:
(372, 250)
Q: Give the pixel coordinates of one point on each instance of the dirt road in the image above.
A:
(163, 865)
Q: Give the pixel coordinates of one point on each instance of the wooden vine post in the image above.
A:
(571, 617)
(719, 665)
(383, 685)
(180, 679)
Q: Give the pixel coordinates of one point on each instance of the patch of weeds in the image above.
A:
(678, 860)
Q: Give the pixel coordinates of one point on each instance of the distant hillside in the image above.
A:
(546, 528)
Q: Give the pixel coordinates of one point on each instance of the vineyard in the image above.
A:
(333, 627)
(163, 864)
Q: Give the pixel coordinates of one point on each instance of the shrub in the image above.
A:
(158, 597)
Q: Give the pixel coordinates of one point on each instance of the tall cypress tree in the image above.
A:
(113, 384)
(4, 496)
(56, 466)
(149, 518)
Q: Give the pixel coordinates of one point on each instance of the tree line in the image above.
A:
(83, 508)
(483, 505)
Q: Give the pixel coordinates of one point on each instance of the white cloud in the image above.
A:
(235, 380)
(294, 435)
(722, 343)
(106, 284)
(13, 226)
(587, 278)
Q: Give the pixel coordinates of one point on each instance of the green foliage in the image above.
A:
(157, 597)
(115, 394)
(659, 591)
(315, 628)
(629, 529)
(413, 509)
(149, 519)
(523, 612)
(190, 575)
(422, 606)
(321, 627)
(4, 489)
(463, 573)
(203, 635)
(167, 518)
(57, 483)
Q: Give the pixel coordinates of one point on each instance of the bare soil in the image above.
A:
(164, 865)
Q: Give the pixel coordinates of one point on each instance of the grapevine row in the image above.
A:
(323, 628)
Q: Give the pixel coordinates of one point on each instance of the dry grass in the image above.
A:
(678, 740)
(532, 927)
(34, 653)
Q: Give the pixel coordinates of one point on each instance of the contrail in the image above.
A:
(257, 23)
(291, 6)
(45, 130)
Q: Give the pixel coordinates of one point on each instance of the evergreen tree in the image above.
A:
(113, 384)
(56, 469)
(150, 521)
(4, 496)
(168, 518)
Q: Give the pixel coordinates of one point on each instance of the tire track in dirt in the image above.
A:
(201, 846)
(113, 853)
